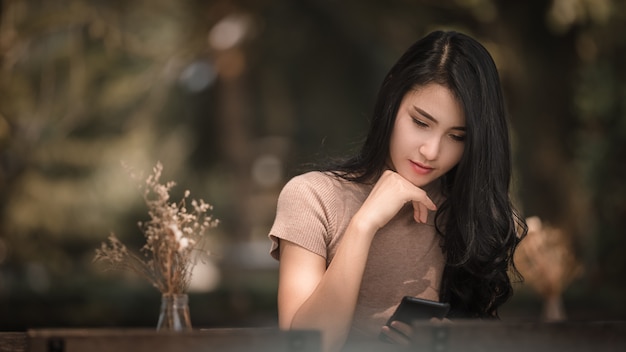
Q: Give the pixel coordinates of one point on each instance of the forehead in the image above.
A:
(436, 100)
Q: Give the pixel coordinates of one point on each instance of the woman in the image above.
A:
(422, 210)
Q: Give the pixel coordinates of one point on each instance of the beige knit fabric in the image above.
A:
(405, 258)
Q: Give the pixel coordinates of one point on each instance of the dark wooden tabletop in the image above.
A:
(148, 340)
(457, 336)
(12, 341)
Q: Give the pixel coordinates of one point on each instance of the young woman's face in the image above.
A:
(428, 136)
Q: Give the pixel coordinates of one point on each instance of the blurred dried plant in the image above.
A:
(546, 260)
(173, 237)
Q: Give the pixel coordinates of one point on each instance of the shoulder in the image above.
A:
(316, 178)
(329, 194)
(306, 213)
(314, 182)
(322, 193)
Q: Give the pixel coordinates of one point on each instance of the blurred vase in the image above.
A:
(174, 313)
(553, 310)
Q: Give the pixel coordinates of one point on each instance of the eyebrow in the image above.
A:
(431, 118)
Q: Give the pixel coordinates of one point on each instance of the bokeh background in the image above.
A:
(234, 97)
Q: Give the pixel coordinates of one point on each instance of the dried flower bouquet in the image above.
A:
(173, 236)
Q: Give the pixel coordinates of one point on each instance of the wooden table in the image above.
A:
(474, 336)
(458, 336)
(148, 340)
(12, 341)
(498, 336)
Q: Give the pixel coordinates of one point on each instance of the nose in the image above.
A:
(430, 148)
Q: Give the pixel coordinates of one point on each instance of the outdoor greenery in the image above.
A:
(233, 97)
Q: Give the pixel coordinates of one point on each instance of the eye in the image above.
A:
(458, 137)
(419, 122)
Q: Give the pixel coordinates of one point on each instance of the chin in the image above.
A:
(418, 181)
(421, 184)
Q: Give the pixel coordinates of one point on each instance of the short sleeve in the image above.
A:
(305, 214)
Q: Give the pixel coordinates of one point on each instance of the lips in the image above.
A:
(420, 168)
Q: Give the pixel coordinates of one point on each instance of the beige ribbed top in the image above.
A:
(405, 258)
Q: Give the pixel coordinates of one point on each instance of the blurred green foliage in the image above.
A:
(235, 96)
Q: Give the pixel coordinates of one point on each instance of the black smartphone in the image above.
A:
(412, 308)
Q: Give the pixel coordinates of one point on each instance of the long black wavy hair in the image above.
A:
(479, 226)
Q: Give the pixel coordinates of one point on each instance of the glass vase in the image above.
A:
(174, 313)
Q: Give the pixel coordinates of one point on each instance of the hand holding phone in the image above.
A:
(412, 308)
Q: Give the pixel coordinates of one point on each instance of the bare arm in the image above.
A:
(313, 297)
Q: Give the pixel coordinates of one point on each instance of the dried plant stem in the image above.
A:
(172, 234)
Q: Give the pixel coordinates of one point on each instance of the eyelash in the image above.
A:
(454, 137)
(457, 138)
(419, 122)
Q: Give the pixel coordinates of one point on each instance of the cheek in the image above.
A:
(460, 155)
(395, 144)
(455, 155)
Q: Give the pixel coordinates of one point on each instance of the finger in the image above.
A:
(416, 212)
(420, 212)
(404, 328)
(423, 213)
(440, 321)
(429, 204)
(423, 198)
(395, 337)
